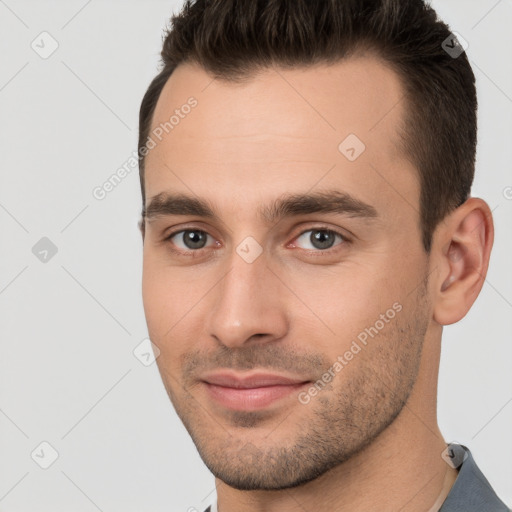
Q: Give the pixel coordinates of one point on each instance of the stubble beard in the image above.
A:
(260, 450)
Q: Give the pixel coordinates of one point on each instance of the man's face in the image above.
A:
(244, 294)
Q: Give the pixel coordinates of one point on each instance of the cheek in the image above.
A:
(172, 307)
(160, 301)
(161, 286)
(344, 300)
(161, 316)
(152, 292)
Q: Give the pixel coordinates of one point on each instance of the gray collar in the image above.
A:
(471, 491)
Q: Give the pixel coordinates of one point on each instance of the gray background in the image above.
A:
(69, 324)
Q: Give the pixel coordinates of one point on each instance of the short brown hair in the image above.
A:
(232, 39)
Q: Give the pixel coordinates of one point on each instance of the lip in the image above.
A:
(252, 380)
(250, 392)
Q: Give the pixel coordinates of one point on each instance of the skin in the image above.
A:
(369, 440)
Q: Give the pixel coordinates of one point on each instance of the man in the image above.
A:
(308, 231)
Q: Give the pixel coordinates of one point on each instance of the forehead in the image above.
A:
(283, 130)
(356, 93)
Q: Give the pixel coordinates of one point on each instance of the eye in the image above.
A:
(189, 242)
(320, 238)
(190, 239)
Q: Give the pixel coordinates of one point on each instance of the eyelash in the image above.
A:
(194, 253)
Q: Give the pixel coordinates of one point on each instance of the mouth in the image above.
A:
(250, 392)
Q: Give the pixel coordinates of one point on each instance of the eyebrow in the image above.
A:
(287, 205)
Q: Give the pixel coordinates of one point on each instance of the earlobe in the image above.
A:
(463, 261)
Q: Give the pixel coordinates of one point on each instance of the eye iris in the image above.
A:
(194, 239)
(322, 239)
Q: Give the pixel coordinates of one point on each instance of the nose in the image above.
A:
(249, 305)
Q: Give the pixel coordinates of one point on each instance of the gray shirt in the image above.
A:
(471, 491)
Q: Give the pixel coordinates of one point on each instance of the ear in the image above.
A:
(462, 245)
